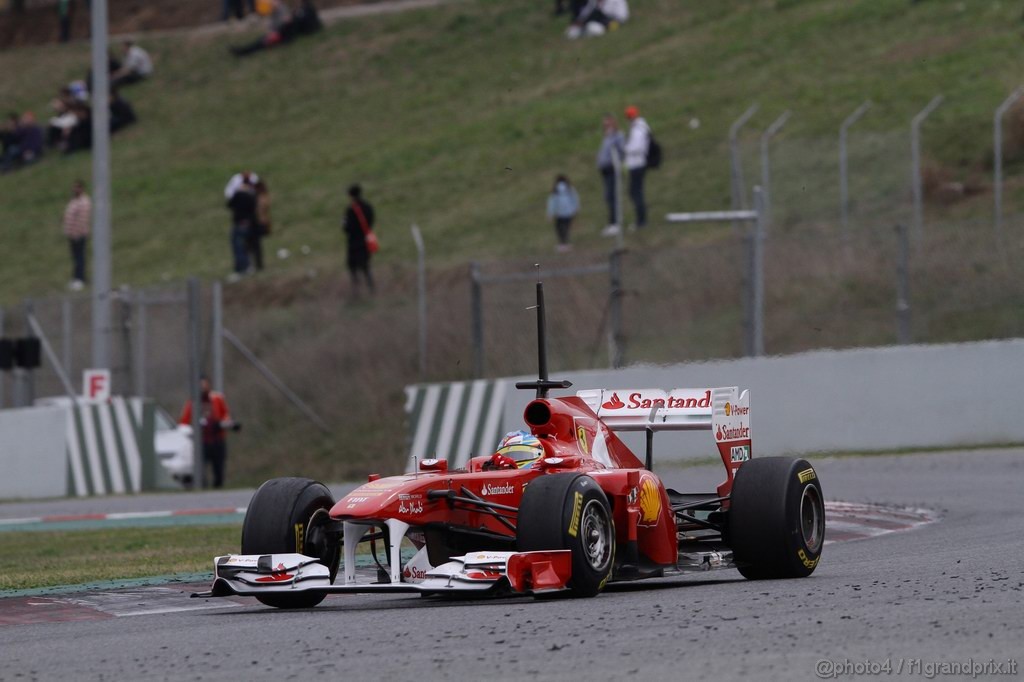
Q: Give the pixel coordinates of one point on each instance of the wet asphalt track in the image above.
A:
(946, 592)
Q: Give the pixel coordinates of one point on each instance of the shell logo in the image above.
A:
(728, 410)
(650, 502)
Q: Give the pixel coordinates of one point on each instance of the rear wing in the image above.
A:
(723, 410)
(682, 409)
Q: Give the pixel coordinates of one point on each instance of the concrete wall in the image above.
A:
(33, 454)
(864, 399)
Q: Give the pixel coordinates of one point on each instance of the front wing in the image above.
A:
(476, 572)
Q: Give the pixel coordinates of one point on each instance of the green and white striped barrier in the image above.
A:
(455, 421)
(110, 447)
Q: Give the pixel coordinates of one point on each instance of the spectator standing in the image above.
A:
(77, 222)
(638, 141)
(358, 227)
(563, 205)
(136, 66)
(243, 221)
(262, 224)
(612, 147)
(214, 420)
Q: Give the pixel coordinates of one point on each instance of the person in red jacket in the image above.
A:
(214, 420)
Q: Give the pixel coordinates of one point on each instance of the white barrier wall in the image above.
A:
(92, 448)
(851, 400)
(33, 455)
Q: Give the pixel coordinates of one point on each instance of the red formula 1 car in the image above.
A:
(565, 506)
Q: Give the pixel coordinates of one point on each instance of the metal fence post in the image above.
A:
(747, 285)
(844, 189)
(997, 158)
(217, 334)
(421, 298)
(1, 372)
(757, 274)
(915, 161)
(477, 314)
(27, 391)
(139, 344)
(765, 212)
(620, 238)
(737, 193)
(127, 349)
(903, 334)
(194, 371)
(67, 330)
(616, 350)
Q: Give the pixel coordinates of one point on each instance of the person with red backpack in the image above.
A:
(362, 242)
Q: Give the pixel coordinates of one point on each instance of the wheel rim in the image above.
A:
(596, 535)
(812, 518)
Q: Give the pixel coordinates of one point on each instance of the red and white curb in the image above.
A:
(848, 521)
(121, 516)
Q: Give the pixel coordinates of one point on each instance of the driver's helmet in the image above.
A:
(525, 448)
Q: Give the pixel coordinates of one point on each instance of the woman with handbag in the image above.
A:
(362, 242)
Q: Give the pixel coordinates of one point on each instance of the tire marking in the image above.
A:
(577, 507)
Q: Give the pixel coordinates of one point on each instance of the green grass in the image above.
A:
(457, 118)
(42, 559)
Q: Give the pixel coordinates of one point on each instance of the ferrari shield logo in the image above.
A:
(581, 438)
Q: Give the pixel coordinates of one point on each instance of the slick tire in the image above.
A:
(776, 518)
(570, 511)
(286, 515)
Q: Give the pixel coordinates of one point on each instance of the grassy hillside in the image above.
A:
(458, 119)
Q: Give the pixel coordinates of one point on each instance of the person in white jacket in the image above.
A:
(638, 142)
(597, 16)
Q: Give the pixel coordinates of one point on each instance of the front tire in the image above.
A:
(570, 511)
(287, 515)
(776, 518)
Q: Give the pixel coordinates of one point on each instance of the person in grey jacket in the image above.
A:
(563, 205)
(612, 145)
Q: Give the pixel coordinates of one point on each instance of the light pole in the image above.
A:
(101, 267)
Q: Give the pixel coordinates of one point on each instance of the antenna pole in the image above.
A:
(543, 384)
(542, 346)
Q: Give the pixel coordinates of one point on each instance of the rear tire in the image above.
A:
(570, 511)
(776, 518)
(287, 515)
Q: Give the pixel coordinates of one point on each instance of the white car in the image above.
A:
(173, 444)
